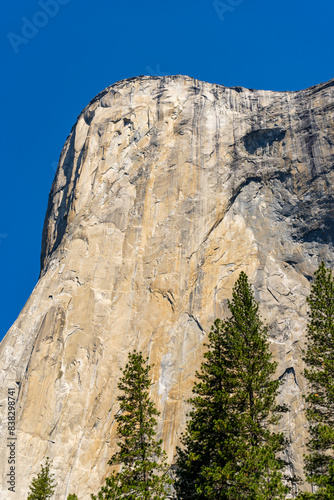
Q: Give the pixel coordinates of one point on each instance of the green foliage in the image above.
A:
(43, 486)
(325, 491)
(72, 497)
(143, 474)
(319, 358)
(228, 452)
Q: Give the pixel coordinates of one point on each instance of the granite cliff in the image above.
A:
(166, 189)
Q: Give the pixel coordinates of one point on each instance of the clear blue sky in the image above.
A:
(58, 54)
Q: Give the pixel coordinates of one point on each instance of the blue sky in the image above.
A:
(58, 54)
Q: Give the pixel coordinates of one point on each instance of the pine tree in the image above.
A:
(228, 451)
(143, 474)
(319, 358)
(43, 486)
(72, 496)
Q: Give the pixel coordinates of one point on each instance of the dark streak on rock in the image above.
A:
(287, 372)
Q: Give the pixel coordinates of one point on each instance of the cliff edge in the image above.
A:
(166, 189)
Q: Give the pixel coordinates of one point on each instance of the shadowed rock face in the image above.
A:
(166, 189)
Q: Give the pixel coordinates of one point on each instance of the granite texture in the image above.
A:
(166, 189)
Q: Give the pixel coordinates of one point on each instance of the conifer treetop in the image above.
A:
(42, 487)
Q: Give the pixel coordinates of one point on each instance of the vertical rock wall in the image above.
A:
(166, 189)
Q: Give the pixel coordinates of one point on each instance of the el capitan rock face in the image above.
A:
(166, 189)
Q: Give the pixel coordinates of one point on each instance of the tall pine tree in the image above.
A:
(143, 475)
(319, 358)
(228, 451)
(42, 486)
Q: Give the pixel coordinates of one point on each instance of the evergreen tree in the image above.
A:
(143, 474)
(72, 497)
(42, 486)
(319, 358)
(228, 451)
